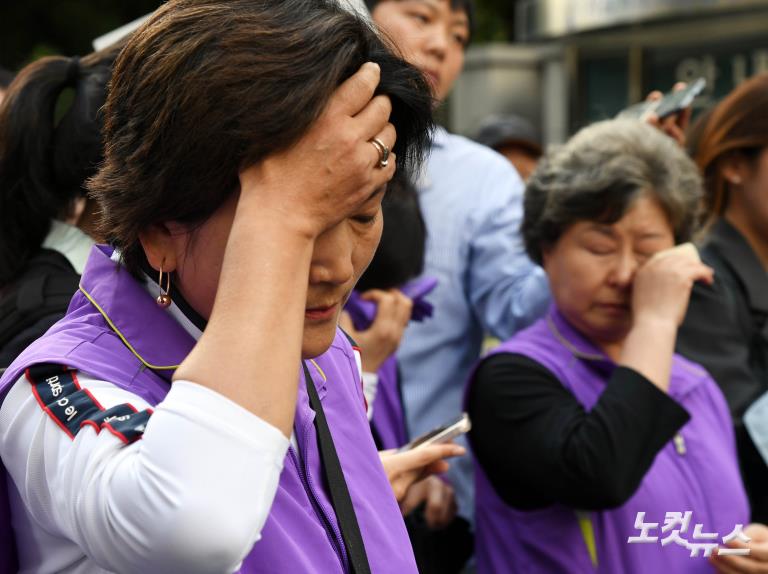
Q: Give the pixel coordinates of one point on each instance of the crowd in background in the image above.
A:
(187, 215)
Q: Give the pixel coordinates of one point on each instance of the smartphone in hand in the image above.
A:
(441, 434)
(671, 103)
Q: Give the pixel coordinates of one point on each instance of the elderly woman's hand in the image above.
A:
(334, 168)
(660, 294)
(662, 286)
(756, 562)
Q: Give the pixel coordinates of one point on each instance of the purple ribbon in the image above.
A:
(364, 312)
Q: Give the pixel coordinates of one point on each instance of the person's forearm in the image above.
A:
(591, 459)
(251, 348)
(648, 349)
(146, 506)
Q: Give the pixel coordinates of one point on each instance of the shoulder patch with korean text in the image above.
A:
(71, 407)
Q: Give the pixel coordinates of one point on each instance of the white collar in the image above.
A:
(71, 242)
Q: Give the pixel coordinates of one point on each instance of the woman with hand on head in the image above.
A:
(246, 160)
(587, 428)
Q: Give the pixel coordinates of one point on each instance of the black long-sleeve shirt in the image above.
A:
(725, 331)
(539, 446)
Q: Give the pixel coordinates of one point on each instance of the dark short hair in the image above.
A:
(502, 130)
(207, 87)
(50, 143)
(400, 255)
(467, 6)
(597, 176)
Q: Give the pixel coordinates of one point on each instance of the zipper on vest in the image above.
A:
(679, 441)
(339, 546)
(333, 533)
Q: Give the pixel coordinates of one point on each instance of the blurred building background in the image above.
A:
(571, 62)
(559, 63)
(30, 29)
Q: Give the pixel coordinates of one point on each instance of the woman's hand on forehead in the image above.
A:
(334, 168)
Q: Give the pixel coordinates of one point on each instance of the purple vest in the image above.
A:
(139, 353)
(388, 414)
(388, 419)
(705, 479)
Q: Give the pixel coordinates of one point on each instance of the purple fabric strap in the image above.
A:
(363, 312)
(388, 415)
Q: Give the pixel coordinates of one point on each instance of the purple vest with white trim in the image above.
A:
(705, 479)
(115, 332)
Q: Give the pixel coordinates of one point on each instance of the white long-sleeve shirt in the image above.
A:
(192, 495)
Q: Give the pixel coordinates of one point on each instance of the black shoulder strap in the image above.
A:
(349, 338)
(334, 476)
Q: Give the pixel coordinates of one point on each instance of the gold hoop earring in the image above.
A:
(164, 299)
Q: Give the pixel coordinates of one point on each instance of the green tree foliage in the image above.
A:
(30, 29)
(495, 20)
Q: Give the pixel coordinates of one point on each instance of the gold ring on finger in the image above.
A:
(383, 152)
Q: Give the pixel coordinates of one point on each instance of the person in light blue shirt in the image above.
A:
(471, 198)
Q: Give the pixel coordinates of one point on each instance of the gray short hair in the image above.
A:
(598, 174)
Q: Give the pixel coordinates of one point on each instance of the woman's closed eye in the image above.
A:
(366, 218)
(601, 248)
